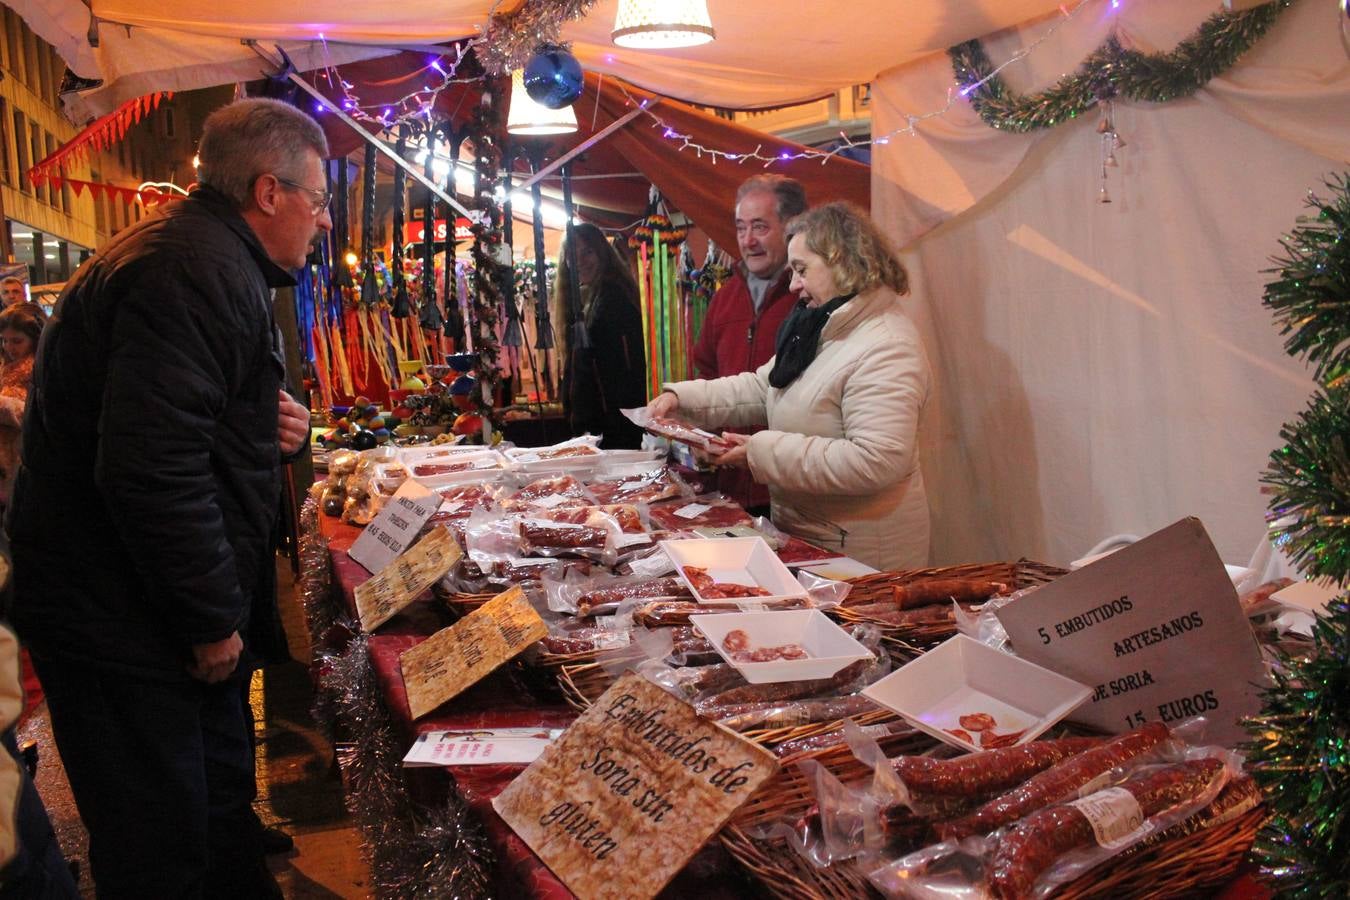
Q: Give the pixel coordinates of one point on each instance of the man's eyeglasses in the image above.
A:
(320, 199)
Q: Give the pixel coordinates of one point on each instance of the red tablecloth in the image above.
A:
(501, 701)
(498, 701)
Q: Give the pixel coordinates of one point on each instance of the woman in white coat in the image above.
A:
(841, 399)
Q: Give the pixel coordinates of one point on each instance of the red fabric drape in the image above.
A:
(700, 188)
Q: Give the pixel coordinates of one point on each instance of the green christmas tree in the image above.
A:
(1300, 752)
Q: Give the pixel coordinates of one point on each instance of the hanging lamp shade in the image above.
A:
(527, 117)
(654, 24)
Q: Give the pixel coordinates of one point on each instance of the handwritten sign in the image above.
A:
(454, 658)
(630, 792)
(400, 582)
(394, 527)
(1156, 628)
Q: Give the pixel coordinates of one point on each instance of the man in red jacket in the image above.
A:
(742, 322)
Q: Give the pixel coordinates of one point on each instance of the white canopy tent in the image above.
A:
(766, 53)
(1101, 368)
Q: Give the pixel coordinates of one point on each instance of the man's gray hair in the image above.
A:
(250, 138)
(788, 193)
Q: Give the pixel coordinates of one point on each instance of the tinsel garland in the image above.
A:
(1299, 751)
(414, 853)
(1311, 473)
(1112, 71)
(1311, 295)
(512, 39)
(488, 133)
(1300, 755)
(1311, 478)
(315, 583)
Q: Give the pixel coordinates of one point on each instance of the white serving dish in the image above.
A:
(963, 676)
(744, 560)
(480, 464)
(829, 648)
(410, 456)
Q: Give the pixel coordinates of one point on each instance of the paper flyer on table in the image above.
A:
(495, 746)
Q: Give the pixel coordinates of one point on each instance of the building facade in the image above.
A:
(50, 230)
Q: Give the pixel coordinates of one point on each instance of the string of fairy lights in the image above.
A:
(419, 104)
(954, 94)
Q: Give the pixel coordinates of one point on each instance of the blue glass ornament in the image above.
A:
(553, 78)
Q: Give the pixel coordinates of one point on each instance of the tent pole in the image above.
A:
(583, 146)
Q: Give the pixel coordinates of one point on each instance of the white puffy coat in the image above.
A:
(839, 455)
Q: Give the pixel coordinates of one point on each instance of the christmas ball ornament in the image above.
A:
(553, 78)
(413, 383)
(462, 362)
(364, 440)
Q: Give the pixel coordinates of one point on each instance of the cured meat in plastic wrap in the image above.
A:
(643, 487)
(548, 493)
(708, 511)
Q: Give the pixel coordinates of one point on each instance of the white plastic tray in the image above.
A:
(746, 560)
(962, 676)
(828, 646)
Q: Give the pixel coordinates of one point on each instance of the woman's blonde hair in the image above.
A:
(852, 246)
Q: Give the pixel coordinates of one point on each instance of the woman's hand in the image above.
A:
(737, 453)
(664, 405)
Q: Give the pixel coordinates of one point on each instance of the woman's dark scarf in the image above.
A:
(799, 338)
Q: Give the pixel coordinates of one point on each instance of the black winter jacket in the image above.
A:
(142, 515)
(611, 374)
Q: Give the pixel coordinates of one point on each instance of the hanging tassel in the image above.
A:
(431, 318)
(370, 288)
(401, 308)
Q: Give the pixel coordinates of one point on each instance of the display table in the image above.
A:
(498, 701)
(502, 700)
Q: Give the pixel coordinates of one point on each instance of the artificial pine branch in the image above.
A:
(1311, 477)
(1299, 751)
(1311, 296)
(1300, 755)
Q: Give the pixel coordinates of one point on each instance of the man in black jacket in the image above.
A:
(142, 514)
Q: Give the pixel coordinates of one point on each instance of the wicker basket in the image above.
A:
(908, 641)
(1203, 852)
(460, 604)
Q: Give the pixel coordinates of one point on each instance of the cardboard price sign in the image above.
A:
(1155, 628)
(400, 582)
(454, 658)
(394, 527)
(630, 792)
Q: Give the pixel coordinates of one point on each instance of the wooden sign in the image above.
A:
(454, 658)
(395, 526)
(400, 582)
(1155, 628)
(629, 793)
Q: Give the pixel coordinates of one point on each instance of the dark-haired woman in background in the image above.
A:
(20, 327)
(601, 345)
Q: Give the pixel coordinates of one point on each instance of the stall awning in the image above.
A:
(767, 52)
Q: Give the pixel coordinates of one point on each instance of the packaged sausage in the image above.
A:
(1055, 844)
